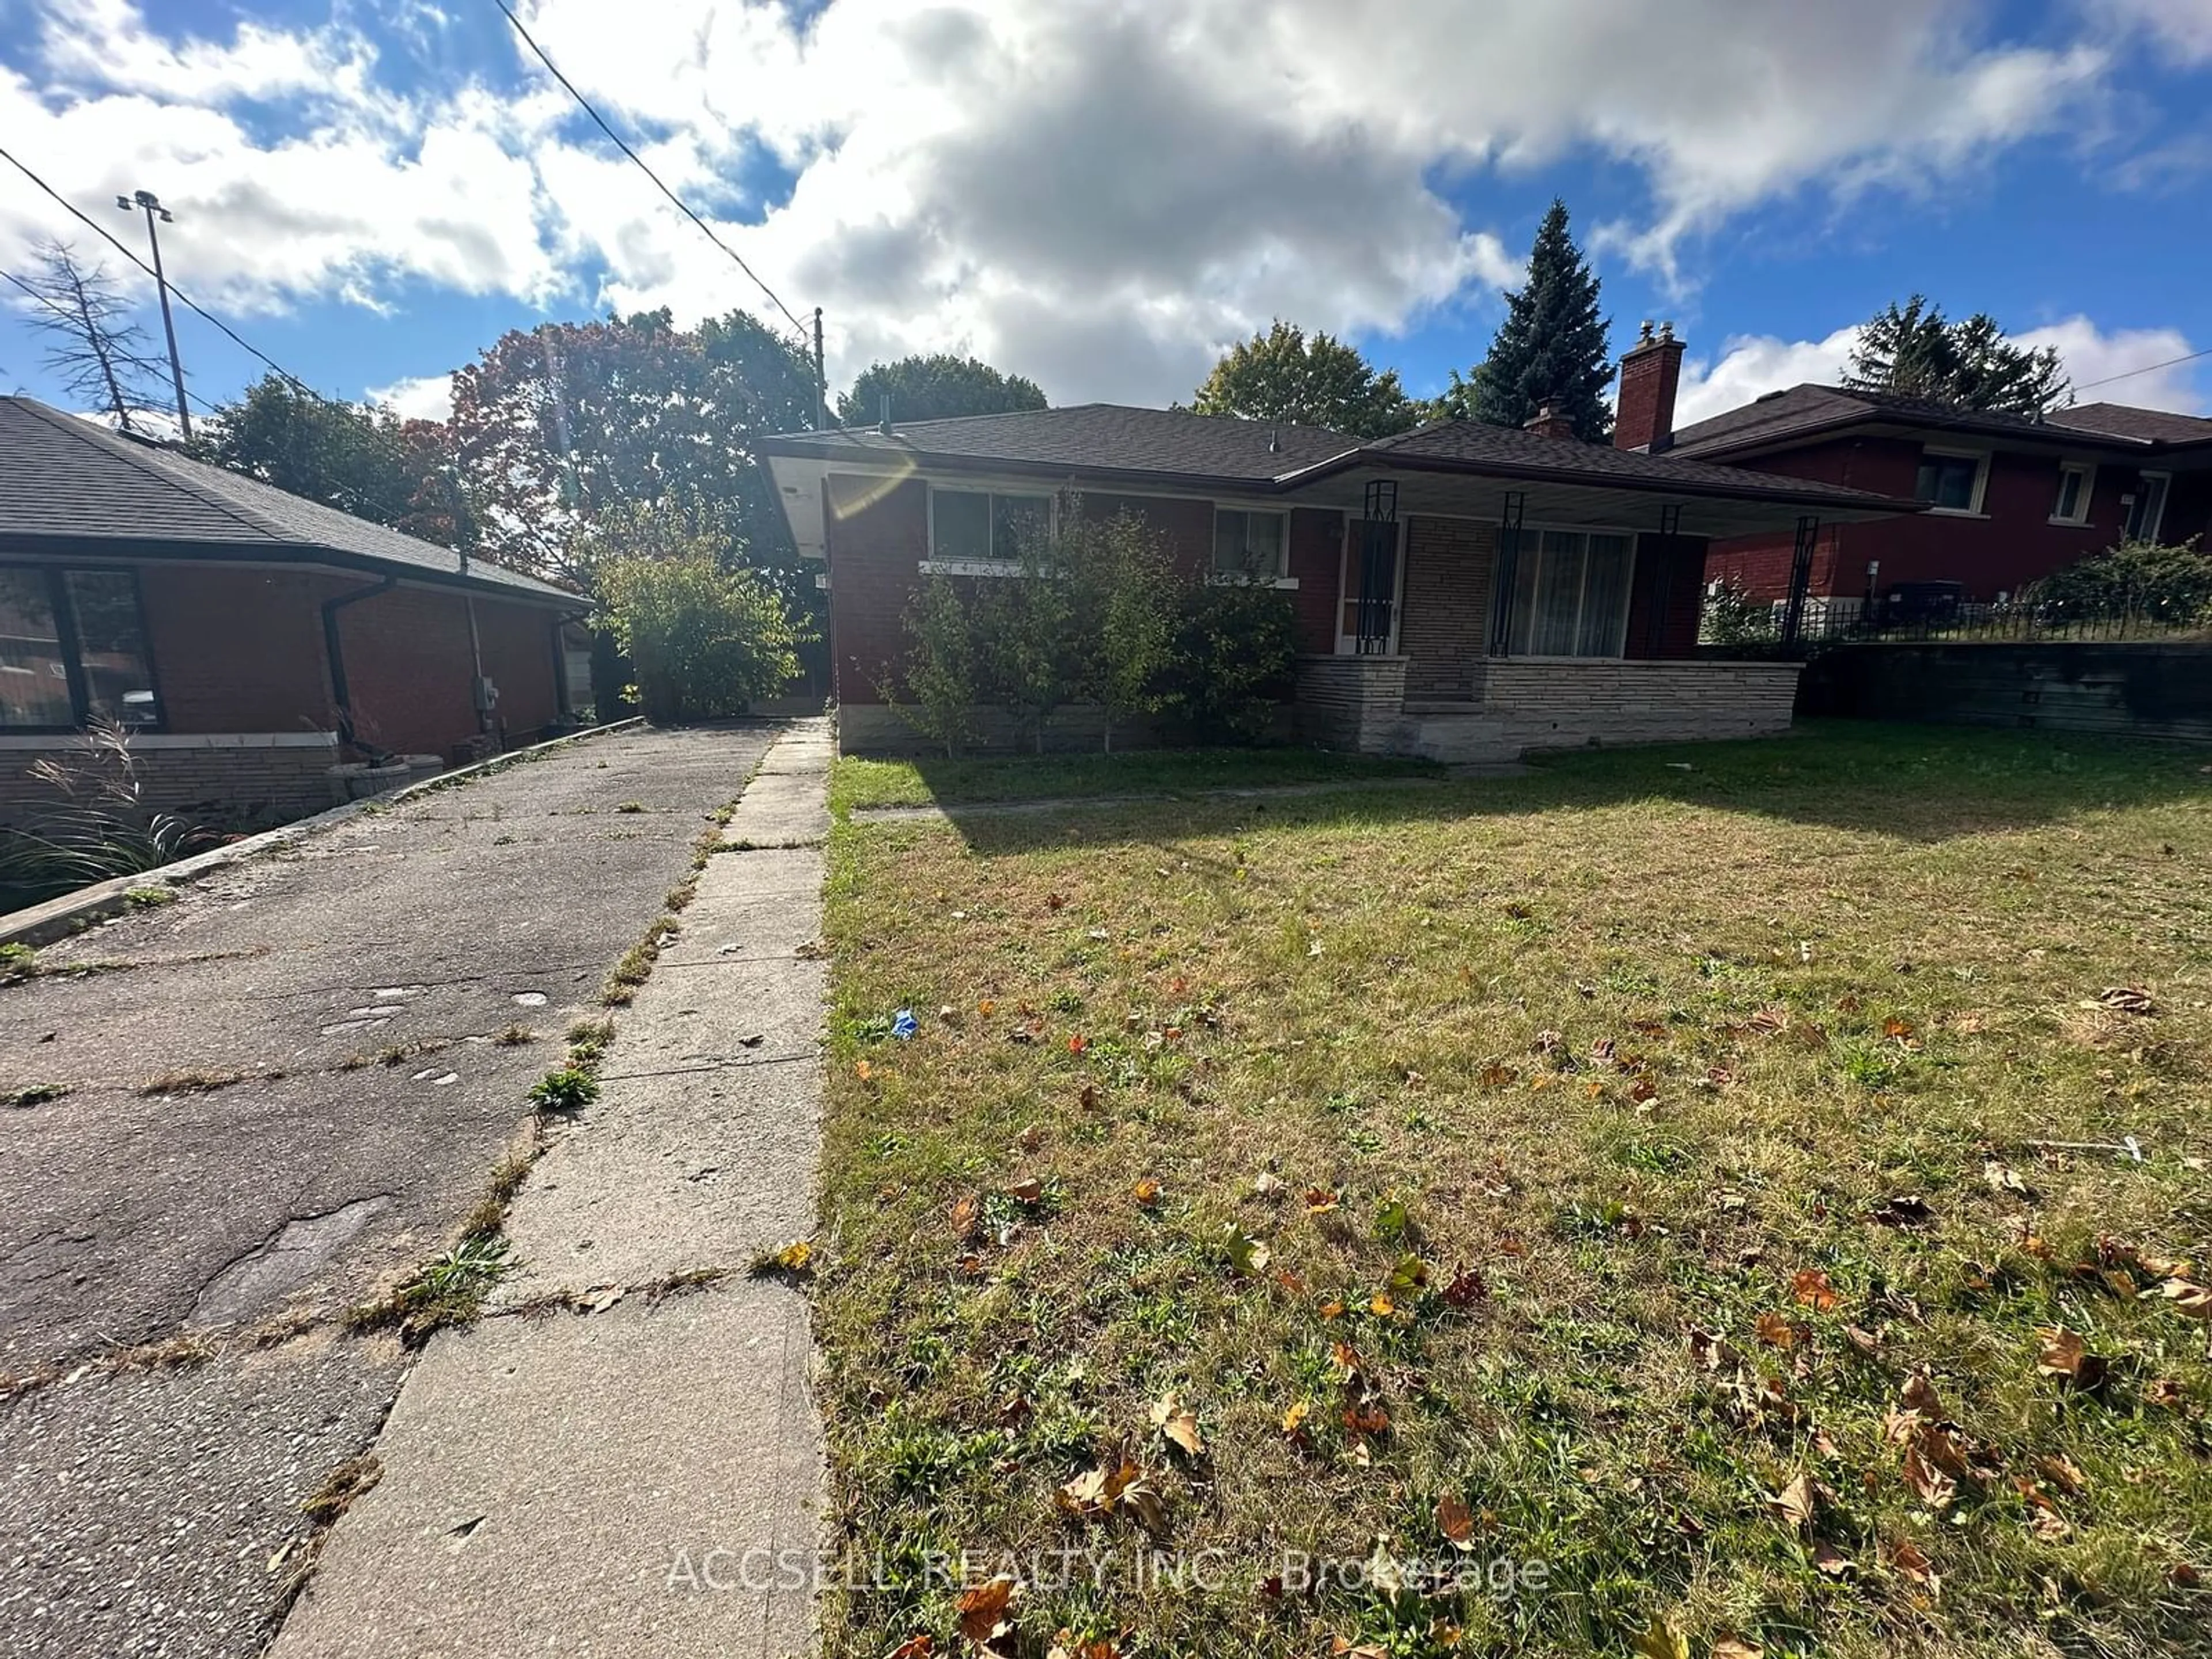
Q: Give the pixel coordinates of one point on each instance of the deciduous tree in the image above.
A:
(1281, 375)
(934, 387)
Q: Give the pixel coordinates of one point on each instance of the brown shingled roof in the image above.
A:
(69, 486)
(2123, 420)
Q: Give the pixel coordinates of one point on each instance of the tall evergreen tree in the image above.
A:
(1551, 348)
(1913, 349)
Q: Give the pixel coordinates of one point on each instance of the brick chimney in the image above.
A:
(1548, 422)
(1650, 373)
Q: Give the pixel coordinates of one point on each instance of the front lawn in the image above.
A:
(1677, 1197)
(864, 783)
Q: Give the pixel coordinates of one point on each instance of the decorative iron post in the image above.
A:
(1800, 579)
(1509, 565)
(1378, 567)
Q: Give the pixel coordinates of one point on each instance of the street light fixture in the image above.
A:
(152, 205)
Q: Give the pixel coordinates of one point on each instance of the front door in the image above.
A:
(1351, 586)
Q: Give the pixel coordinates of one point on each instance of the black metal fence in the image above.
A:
(1729, 625)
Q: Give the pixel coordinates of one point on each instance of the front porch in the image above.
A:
(1361, 705)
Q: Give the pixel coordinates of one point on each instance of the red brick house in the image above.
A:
(1462, 592)
(242, 634)
(2008, 499)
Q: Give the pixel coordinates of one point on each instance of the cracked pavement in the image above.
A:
(141, 1508)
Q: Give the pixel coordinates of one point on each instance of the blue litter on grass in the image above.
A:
(903, 1024)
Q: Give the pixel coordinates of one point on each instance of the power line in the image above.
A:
(706, 229)
(183, 298)
(2147, 368)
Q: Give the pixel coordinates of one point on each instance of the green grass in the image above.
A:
(1680, 1107)
(860, 783)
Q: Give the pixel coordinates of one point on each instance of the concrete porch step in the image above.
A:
(1461, 735)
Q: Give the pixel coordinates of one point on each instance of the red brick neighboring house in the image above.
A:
(1461, 591)
(2008, 499)
(237, 629)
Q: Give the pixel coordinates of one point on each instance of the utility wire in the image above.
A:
(2146, 370)
(706, 229)
(183, 298)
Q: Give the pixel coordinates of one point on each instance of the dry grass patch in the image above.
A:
(1702, 1182)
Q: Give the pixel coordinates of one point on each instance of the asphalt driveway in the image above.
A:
(282, 1089)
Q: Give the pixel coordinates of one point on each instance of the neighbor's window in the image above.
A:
(2072, 505)
(979, 526)
(1951, 484)
(72, 649)
(1570, 595)
(1249, 543)
(2146, 516)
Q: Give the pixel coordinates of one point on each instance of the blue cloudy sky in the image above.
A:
(1101, 194)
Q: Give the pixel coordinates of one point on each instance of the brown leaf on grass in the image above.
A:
(1775, 1331)
(1320, 1201)
(1331, 1309)
(1381, 1305)
(1053, 901)
(1028, 1190)
(1029, 1138)
(915, 1647)
(1660, 1639)
(1147, 1192)
(1831, 1561)
(1795, 1503)
(1908, 1559)
(1294, 1421)
(1896, 1028)
(2062, 1353)
(2128, 999)
(1466, 1289)
(1812, 1289)
(1096, 1492)
(1455, 1520)
(1247, 1256)
(1290, 1281)
(1768, 1021)
(983, 1609)
(1919, 1394)
(1350, 1367)
(2164, 1391)
(1497, 1075)
(1864, 1340)
(1066, 1646)
(2044, 1519)
(1340, 1648)
(1365, 1417)
(1737, 1647)
(2063, 1472)
(1265, 1185)
(1713, 1352)
(1178, 1423)
(1932, 1486)
(965, 1211)
(1644, 1089)
(1904, 1212)
(2191, 1301)
(2003, 1178)
(862, 1070)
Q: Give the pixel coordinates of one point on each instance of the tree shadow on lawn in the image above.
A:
(1918, 783)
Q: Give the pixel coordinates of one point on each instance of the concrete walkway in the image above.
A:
(616, 1459)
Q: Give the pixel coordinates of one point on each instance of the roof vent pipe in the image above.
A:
(1274, 440)
(884, 418)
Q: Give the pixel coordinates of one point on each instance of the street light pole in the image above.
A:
(152, 204)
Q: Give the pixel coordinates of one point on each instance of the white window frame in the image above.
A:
(1627, 611)
(1281, 579)
(2154, 522)
(1980, 457)
(2085, 470)
(933, 566)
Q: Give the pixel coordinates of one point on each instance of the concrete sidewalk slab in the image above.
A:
(780, 808)
(621, 1481)
(545, 1478)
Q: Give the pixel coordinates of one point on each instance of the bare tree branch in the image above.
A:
(100, 356)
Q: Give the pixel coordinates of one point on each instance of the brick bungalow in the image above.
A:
(2008, 499)
(1462, 592)
(250, 640)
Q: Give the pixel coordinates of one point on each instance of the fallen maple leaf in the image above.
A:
(2062, 1472)
(2192, 1301)
(1320, 1201)
(1908, 1559)
(862, 1070)
(1919, 1394)
(1466, 1289)
(2062, 1353)
(964, 1213)
(1831, 1561)
(1794, 1503)
(915, 1647)
(983, 1609)
(1775, 1331)
(1078, 1043)
(1381, 1305)
(1247, 1257)
(1148, 1192)
(795, 1256)
(1812, 1289)
(1933, 1487)
(1179, 1424)
(1737, 1647)
(1294, 1421)
(1028, 1190)
(2164, 1391)
(1064, 1646)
